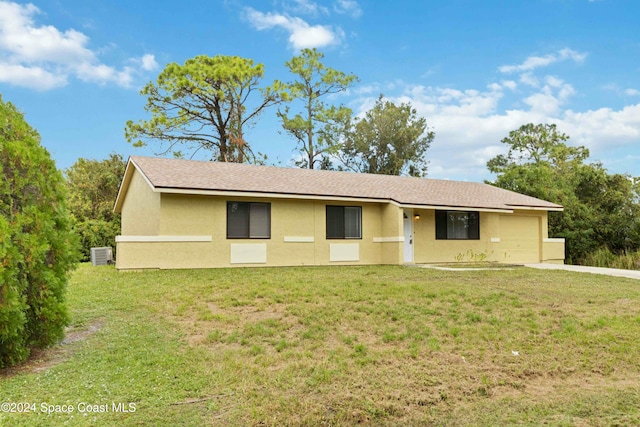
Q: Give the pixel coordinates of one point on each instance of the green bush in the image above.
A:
(96, 233)
(93, 187)
(604, 257)
(37, 248)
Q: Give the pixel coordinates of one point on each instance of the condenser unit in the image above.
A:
(101, 256)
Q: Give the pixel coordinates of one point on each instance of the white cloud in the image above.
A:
(470, 123)
(543, 103)
(103, 74)
(603, 128)
(367, 89)
(301, 34)
(349, 7)
(533, 62)
(307, 7)
(43, 57)
(32, 77)
(148, 62)
(510, 84)
(529, 79)
(615, 88)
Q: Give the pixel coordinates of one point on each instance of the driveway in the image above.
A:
(633, 274)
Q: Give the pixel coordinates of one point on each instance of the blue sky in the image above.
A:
(474, 69)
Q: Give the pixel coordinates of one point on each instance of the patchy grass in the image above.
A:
(339, 346)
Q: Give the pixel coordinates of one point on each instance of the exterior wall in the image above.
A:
(520, 237)
(391, 236)
(553, 251)
(189, 231)
(192, 234)
(427, 249)
(140, 209)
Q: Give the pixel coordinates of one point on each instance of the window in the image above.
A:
(457, 225)
(344, 222)
(248, 220)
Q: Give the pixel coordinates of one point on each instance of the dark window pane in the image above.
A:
(441, 224)
(352, 222)
(457, 225)
(237, 220)
(259, 220)
(335, 222)
(474, 225)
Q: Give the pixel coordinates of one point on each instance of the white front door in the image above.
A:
(408, 235)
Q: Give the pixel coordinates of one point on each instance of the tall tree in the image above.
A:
(391, 139)
(601, 209)
(320, 126)
(37, 247)
(538, 144)
(203, 105)
(93, 187)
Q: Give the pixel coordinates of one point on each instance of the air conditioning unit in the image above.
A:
(101, 256)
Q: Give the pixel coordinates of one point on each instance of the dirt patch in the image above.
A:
(42, 359)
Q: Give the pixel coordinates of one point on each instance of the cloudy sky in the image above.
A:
(474, 69)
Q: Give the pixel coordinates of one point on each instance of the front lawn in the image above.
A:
(337, 346)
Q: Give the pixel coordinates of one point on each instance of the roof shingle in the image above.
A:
(215, 176)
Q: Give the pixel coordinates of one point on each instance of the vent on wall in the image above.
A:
(101, 256)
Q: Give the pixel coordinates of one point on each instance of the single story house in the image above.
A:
(194, 214)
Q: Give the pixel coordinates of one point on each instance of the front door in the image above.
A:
(408, 235)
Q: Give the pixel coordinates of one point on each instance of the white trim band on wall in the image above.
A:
(299, 239)
(388, 239)
(553, 240)
(162, 239)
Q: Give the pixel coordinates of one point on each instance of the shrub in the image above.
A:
(604, 257)
(93, 187)
(37, 248)
(96, 233)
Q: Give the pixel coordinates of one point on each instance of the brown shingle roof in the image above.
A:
(214, 176)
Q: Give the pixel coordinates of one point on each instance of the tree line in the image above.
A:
(206, 104)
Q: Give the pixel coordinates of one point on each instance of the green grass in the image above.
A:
(340, 346)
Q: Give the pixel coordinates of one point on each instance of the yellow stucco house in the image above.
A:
(192, 214)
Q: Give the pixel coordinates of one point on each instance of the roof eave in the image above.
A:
(454, 208)
(280, 195)
(266, 195)
(539, 208)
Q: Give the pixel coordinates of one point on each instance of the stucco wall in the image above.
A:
(517, 237)
(298, 236)
(189, 231)
(140, 209)
(391, 235)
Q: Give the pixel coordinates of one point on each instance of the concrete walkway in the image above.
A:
(633, 274)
